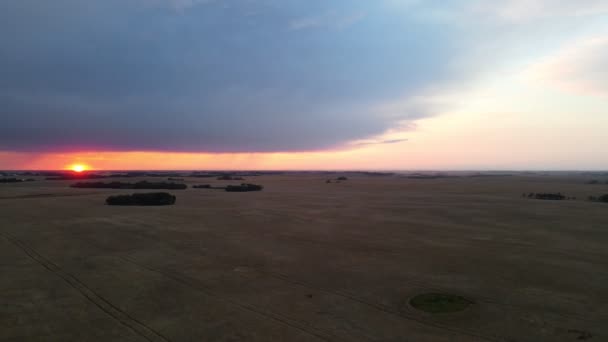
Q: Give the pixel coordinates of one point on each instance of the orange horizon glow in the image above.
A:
(144, 160)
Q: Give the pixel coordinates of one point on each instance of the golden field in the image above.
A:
(304, 260)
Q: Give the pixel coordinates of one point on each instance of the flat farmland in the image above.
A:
(306, 260)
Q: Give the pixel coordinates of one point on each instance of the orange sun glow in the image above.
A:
(78, 167)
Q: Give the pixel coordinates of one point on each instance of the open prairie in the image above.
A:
(304, 260)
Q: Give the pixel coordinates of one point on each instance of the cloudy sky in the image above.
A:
(315, 84)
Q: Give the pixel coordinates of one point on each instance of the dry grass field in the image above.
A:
(303, 260)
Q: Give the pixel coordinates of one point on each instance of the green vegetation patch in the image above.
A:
(440, 303)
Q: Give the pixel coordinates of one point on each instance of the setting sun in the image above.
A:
(78, 167)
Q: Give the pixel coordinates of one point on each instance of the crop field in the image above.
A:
(308, 260)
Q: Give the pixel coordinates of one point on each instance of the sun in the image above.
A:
(78, 168)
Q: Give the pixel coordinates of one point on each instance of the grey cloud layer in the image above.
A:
(211, 75)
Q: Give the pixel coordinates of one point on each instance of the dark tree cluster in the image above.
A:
(175, 179)
(595, 181)
(144, 199)
(202, 186)
(337, 180)
(229, 177)
(15, 180)
(244, 188)
(138, 185)
(602, 198)
(547, 196)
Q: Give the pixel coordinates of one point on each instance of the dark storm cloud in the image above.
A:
(207, 75)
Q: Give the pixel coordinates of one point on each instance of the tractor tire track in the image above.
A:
(198, 286)
(138, 327)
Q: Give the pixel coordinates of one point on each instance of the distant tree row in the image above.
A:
(595, 181)
(559, 196)
(602, 198)
(547, 196)
(145, 199)
(244, 188)
(229, 177)
(337, 180)
(138, 185)
(15, 180)
(231, 188)
(76, 176)
(203, 174)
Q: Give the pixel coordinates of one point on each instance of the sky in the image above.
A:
(315, 84)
